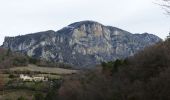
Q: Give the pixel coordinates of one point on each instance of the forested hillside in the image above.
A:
(145, 76)
(9, 59)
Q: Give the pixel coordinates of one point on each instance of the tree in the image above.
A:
(166, 5)
(33, 60)
(53, 92)
(52, 95)
(38, 96)
(21, 98)
(112, 67)
(8, 53)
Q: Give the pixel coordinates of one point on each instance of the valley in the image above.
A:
(84, 49)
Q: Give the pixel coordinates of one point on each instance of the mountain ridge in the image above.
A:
(84, 43)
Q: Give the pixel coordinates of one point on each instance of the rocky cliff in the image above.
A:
(81, 44)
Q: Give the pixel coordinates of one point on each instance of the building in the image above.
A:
(38, 79)
(34, 78)
(26, 78)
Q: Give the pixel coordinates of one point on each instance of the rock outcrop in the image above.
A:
(81, 44)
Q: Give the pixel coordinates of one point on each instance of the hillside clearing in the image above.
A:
(49, 70)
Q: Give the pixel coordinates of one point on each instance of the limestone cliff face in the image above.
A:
(81, 44)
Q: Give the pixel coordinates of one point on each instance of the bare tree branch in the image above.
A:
(165, 4)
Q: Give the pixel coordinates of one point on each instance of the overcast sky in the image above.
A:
(19, 17)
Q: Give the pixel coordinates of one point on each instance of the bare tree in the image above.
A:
(165, 5)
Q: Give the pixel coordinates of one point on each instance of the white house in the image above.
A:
(38, 79)
(35, 78)
(25, 77)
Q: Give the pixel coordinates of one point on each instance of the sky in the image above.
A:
(19, 17)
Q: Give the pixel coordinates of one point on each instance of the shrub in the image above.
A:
(33, 60)
(12, 76)
(38, 96)
(20, 61)
(52, 95)
(21, 98)
(113, 66)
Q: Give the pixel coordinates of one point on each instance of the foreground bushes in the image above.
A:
(146, 75)
(89, 85)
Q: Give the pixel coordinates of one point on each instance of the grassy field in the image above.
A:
(15, 88)
(49, 70)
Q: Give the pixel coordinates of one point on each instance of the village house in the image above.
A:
(34, 78)
(25, 77)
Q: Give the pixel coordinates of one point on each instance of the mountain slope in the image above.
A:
(81, 44)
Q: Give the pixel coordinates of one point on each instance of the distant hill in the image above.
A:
(81, 44)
